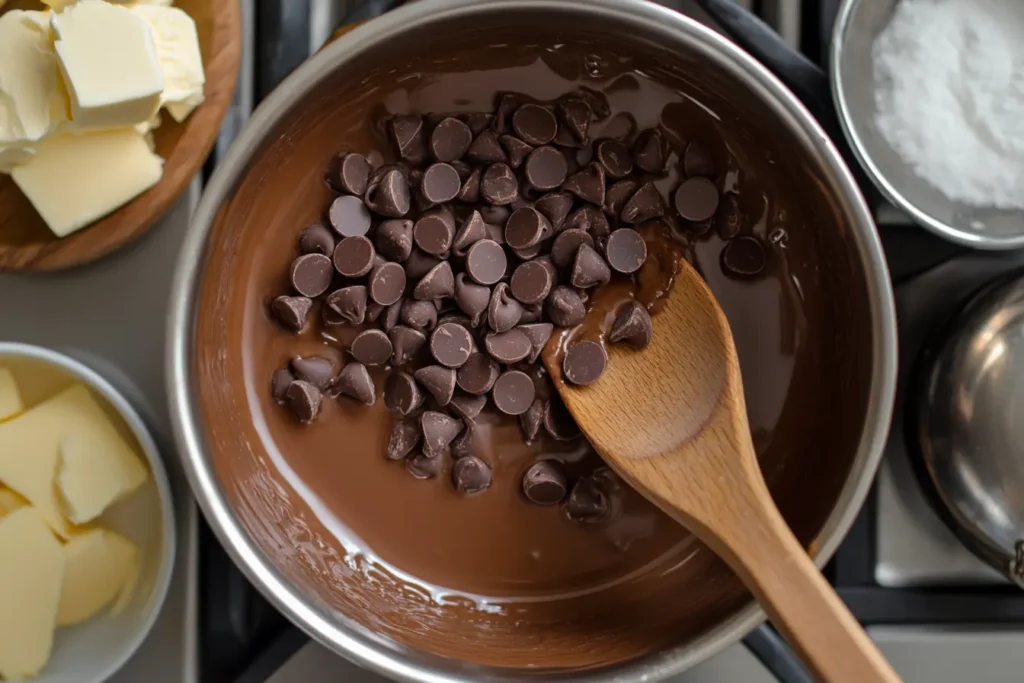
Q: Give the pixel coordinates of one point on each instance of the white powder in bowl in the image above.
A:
(949, 92)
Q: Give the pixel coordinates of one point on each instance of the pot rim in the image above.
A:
(352, 641)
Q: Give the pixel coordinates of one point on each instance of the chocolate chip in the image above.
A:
(587, 184)
(697, 160)
(591, 219)
(576, 115)
(548, 263)
(568, 242)
(516, 149)
(531, 282)
(424, 466)
(696, 199)
(632, 326)
(538, 335)
(311, 274)
(350, 173)
(405, 436)
(464, 445)
(729, 217)
(534, 124)
(450, 139)
(496, 215)
(438, 431)
(433, 235)
(390, 196)
(451, 345)
(558, 422)
(316, 239)
(508, 347)
(503, 311)
(401, 393)
(589, 269)
(406, 343)
(478, 374)
(645, 204)
(544, 483)
(650, 151)
(419, 315)
(438, 283)
(565, 307)
(392, 313)
(471, 298)
(291, 311)
(408, 134)
(349, 304)
(303, 399)
(470, 190)
(546, 168)
(478, 122)
(471, 475)
(622, 127)
(486, 262)
(513, 392)
(374, 311)
(441, 183)
(349, 216)
(499, 184)
(618, 194)
(355, 382)
(584, 362)
(393, 239)
(371, 347)
(486, 148)
(555, 207)
(587, 503)
(626, 250)
(615, 157)
(279, 382)
(525, 228)
(508, 103)
(467, 407)
(419, 264)
(439, 381)
(744, 257)
(472, 231)
(354, 256)
(530, 421)
(313, 369)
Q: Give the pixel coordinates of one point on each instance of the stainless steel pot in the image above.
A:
(852, 246)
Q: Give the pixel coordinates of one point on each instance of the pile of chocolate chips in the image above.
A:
(458, 261)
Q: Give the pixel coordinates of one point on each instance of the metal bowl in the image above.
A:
(851, 64)
(968, 426)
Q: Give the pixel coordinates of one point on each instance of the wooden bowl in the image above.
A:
(26, 243)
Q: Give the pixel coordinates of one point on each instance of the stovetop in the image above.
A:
(898, 565)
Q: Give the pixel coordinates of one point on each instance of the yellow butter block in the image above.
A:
(31, 451)
(31, 575)
(100, 563)
(10, 397)
(179, 56)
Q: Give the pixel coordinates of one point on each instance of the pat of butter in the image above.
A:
(30, 452)
(10, 397)
(32, 99)
(177, 49)
(108, 58)
(74, 180)
(31, 575)
(100, 564)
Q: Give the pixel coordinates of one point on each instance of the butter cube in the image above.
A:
(30, 452)
(108, 58)
(177, 49)
(74, 180)
(32, 99)
(99, 565)
(10, 397)
(31, 575)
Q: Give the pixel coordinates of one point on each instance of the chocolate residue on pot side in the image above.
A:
(487, 578)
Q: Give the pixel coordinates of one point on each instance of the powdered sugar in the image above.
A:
(949, 92)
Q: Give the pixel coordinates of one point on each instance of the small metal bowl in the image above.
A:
(859, 23)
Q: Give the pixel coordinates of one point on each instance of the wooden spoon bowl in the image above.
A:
(672, 421)
(25, 241)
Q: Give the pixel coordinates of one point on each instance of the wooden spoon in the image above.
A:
(671, 420)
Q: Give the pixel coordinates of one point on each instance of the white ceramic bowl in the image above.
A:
(91, 652)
